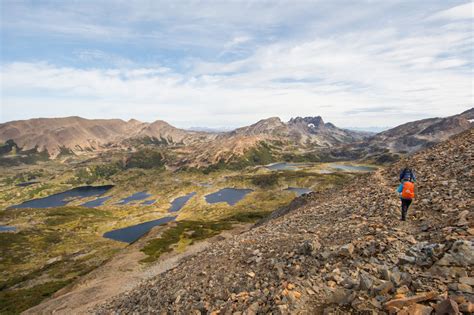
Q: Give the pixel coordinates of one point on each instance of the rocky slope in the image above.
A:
(341, 252)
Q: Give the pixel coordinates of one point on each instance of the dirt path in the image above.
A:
(122, 273)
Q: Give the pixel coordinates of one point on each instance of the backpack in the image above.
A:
(408, 191)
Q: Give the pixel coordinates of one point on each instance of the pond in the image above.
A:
(6, 228)
(351, 168)
(179, 202)
(132, 233)
(229, 195)
(299, 191)
(96, 202)
(63, 198)
(286, 166)
(135, 197)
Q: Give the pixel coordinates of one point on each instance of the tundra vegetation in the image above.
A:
(53, 247)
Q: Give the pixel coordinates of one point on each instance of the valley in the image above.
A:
(68, 215)
(66, 226)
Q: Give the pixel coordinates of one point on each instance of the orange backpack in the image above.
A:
(408, 191)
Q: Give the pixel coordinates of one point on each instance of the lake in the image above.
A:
(286, 166)
(96, 202)
(179, 202)
(299, 191)
(135, 197)
(229, 195)
(6, 228)
(63, 198)
(132, 233)
(351, 168)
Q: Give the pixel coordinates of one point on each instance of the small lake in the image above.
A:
(6, 228)
(299, 191)
(63, 198)
(132, 233)
(135, 197)
(96, 202)
(351, 168)
(286, 166)
(229, 195)
(179, 202)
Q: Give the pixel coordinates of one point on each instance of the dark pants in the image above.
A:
(405, 205)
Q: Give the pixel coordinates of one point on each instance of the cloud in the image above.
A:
(463, 11)
(205, 63)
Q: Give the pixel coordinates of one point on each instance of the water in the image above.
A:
(148, 202)
(96, 203)
(179, 202)
(229, 195)
(299, 191)
(286, 166)
(63, 198)
(6, 228)
(135, 197)
(351, 168)
(132, 233)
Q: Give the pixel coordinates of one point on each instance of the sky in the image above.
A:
(224, 64)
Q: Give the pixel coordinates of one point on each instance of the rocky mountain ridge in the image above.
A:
(342, 251)
(80, 134)
(301, 135)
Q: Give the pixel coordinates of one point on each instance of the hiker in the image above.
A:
(406, 190)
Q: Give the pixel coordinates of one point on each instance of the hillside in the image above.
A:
(390, 145)
(80, 134)
(343, 250)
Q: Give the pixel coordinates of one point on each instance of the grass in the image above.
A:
(17, 301)
(187, 232)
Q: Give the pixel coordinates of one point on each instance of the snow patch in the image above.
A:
(471, 120)
(311, 125)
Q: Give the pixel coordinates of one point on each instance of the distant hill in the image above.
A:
(268, 140)
(407, 138)
(80, 134)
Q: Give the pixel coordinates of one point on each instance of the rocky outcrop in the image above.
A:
(343, 251)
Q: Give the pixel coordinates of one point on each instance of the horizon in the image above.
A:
(214, 65)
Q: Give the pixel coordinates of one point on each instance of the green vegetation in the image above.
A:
(146, 159)
(259, 155)
(11, 155)
(17, 301)
(190, 231)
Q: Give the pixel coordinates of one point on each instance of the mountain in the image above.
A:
(342, 251)
(268, 140)
(303, 130)
(389, 145)
(414, 135)
(80, 134)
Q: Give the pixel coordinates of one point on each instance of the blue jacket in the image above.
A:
(400, 188)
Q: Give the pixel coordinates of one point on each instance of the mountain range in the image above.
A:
(298, 135)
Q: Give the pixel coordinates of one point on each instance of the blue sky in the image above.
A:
(231, 63)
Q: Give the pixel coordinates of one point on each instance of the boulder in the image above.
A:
(447, 307)
(398, 304)
(346, 250)
(416, 309)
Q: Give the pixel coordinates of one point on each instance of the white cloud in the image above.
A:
(322, 66)
(463, 11)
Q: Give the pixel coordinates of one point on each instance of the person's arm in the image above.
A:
(400, 189)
